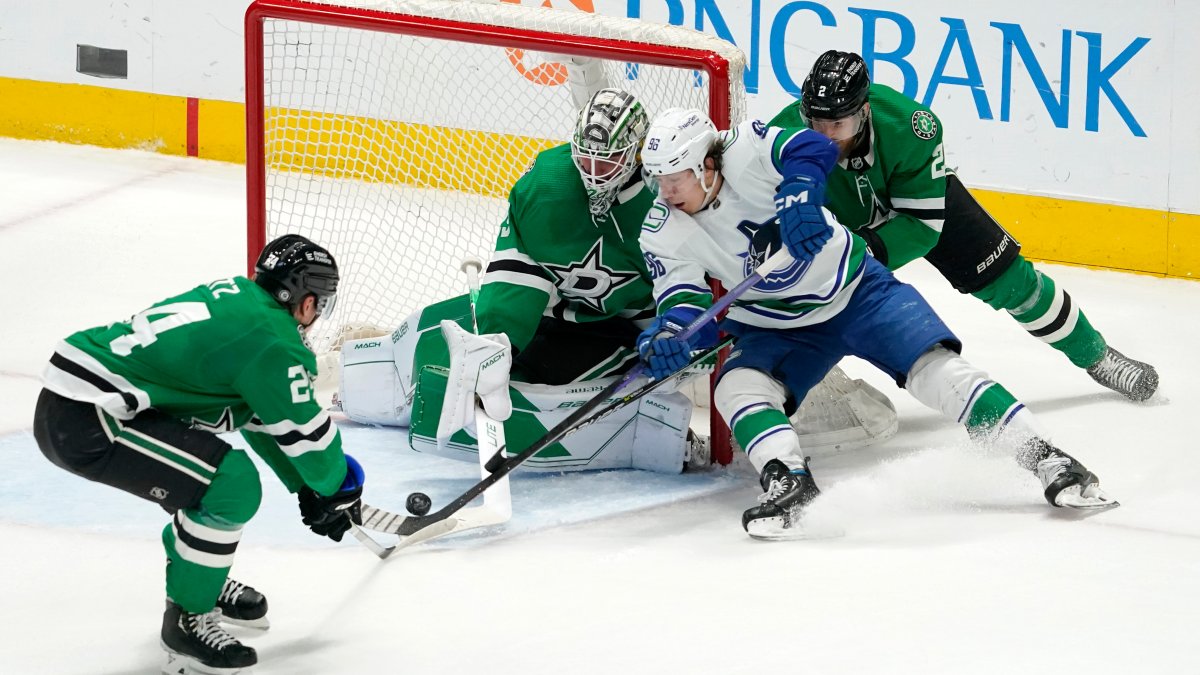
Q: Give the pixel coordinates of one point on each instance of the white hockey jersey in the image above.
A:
(737, 232)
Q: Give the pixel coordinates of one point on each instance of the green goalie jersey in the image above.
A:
(892, 187)
(554, 258)
(221, 357)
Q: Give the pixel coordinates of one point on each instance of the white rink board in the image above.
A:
(1125, 135)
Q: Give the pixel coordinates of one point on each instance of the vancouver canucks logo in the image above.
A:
(590, 282)
(764, 239)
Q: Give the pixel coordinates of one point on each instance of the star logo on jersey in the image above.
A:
(223, 424)
(590, 282)
(924, 125)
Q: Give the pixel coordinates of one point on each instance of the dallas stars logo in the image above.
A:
(590, 282)
(223, 424)
(924, 125)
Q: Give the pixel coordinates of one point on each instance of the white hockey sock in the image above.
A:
(752, 402)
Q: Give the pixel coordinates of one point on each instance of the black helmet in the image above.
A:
(292, 267)
(837, 86)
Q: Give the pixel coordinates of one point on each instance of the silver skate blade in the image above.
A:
(1089, 498)
(773, 529)
(262, 623)
(179, 664)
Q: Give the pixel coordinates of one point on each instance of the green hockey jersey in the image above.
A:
(892, 186)
(554, 258)
(220, 357)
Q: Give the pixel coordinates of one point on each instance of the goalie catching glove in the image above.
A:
(802, 224)
(479, 366)
(331, 516)
(662, 350)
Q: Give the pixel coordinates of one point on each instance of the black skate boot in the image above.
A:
(196, 643)
(241, 605)
(1134, 380)
(1065, 480)
(785, 494)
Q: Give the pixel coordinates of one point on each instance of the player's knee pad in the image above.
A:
(1016, 289)
(235, 493)
(743, 387)
(752, 404)
(946, 382)
(962, 392)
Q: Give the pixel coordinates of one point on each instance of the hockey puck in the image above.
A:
(418, 503)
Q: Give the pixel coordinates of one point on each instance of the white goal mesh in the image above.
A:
(391, 132)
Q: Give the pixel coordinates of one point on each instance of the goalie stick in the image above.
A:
(414, 529)
(497, 502)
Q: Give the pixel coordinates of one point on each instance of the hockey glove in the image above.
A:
(331, 516)
(660, 348)
(802, 224)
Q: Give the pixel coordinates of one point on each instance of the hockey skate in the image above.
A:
(241, 605)
(1067, 482)
(785, 494)
(196, 643)
(698, 455)
(1134, 380)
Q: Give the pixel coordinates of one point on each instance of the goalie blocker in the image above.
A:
(401, 379)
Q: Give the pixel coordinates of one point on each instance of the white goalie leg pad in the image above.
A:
(369, 388)
(949, 384)
(649, 434)
(479, 366)
(745, 391)
(660, 432)
(842, 414)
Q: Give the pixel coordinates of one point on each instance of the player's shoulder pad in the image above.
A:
(745, 145)
(893, 110)
(666, 230)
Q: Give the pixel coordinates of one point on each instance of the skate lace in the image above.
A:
(1118, 369)
(1048, 469)
(776, 489)
(231, 591)
(207, 628)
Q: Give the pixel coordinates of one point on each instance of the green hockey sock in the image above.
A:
(1045, 311)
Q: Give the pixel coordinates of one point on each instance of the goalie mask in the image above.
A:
(605, 145)
(679, 140)
(291, 267)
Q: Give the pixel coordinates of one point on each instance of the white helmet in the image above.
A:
(678, 139)
(605, 144)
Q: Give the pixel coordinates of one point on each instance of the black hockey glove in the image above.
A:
(874, 244)
(331, 516)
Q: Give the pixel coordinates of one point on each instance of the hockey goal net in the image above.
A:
(390, 132)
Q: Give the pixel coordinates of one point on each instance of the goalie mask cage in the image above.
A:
(390, 132)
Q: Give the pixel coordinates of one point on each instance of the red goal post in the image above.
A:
(391, 131)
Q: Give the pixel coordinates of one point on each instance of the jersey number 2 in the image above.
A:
(939, 162)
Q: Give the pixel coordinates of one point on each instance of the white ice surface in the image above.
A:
(951, 561)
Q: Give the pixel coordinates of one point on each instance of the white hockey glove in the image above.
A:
(479, 365)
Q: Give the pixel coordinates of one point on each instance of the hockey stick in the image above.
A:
(380, 520)
(497, 502)
(414, 529)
